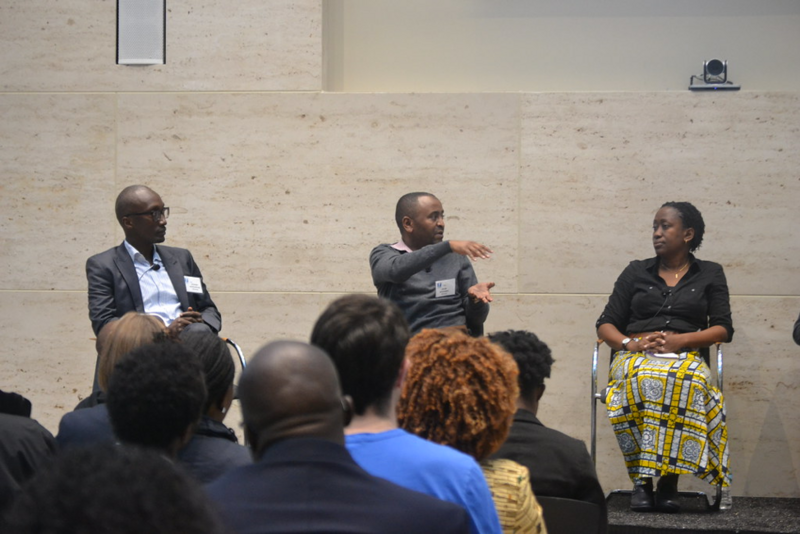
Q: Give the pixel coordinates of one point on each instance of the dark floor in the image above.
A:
(747, 515)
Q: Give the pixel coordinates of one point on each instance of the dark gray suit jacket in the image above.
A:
(312, 485)
(114, 286)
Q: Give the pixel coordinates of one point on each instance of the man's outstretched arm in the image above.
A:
(389, 265)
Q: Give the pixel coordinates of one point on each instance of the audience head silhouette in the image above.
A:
(534, 360)
(118, 338)
(290, 390)
(125, 490)
(218, 369)
(156, 396)
(460, 391)
(366, 338)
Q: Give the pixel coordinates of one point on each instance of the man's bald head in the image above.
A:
(407, 206)
(129, 199)
(290, 389)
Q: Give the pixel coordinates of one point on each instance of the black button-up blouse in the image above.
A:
(642, 301)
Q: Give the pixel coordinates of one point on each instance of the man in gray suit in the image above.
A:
(140, 276)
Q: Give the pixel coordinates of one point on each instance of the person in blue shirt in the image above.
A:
(366, 338)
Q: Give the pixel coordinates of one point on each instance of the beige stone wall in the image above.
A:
(559, 45)
(281, 190)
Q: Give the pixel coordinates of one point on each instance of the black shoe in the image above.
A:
(642, 498)
(667, 495)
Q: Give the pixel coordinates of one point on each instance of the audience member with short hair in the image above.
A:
(366, 338)
(107, 488)
(90, 425)
(461, 391)
(117, 339)
(214, 448)
(25, 446)
(559, 465)
(156, 396)
(303, 479)
(133, 330)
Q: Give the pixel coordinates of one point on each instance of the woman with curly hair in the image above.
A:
(461, 391)
(668, 417)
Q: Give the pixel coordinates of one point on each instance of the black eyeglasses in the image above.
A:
(155, 214)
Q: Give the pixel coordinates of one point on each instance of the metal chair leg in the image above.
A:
(239, 353)
(594, 403)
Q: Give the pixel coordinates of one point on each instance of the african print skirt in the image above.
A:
(668, 417)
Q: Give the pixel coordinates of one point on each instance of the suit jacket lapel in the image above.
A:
(175, 275)
(124, 263)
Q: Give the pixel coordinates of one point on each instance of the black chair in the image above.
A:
(600, 395)
(569, 516)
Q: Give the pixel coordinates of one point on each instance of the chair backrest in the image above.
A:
(238, 350)
(568, 516)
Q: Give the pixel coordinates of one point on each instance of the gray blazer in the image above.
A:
(114, 286)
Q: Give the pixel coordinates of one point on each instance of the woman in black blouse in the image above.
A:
(667, 417)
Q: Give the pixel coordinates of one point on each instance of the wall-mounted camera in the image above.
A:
(715, 77)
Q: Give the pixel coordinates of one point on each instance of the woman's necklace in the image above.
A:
(677, 272)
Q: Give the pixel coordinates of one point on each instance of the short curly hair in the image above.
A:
(155, 394)
(111, 488)
(532, 355)
(691, 218)
(460, 391)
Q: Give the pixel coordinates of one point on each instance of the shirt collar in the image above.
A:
(526, 416)
(135, 254)
(652, 264)
(401, 246)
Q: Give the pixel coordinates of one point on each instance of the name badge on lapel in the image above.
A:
(193, 284)
(445, 288)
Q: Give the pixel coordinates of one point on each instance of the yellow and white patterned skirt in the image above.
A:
(668, 417)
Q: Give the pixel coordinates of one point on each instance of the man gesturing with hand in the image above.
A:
(431, 280)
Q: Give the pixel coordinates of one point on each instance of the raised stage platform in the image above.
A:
(749, 515)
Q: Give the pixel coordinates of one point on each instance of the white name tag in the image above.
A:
(193, 284)
(445, 288)
(664, 356)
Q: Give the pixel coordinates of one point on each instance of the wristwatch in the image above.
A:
(625, 343)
